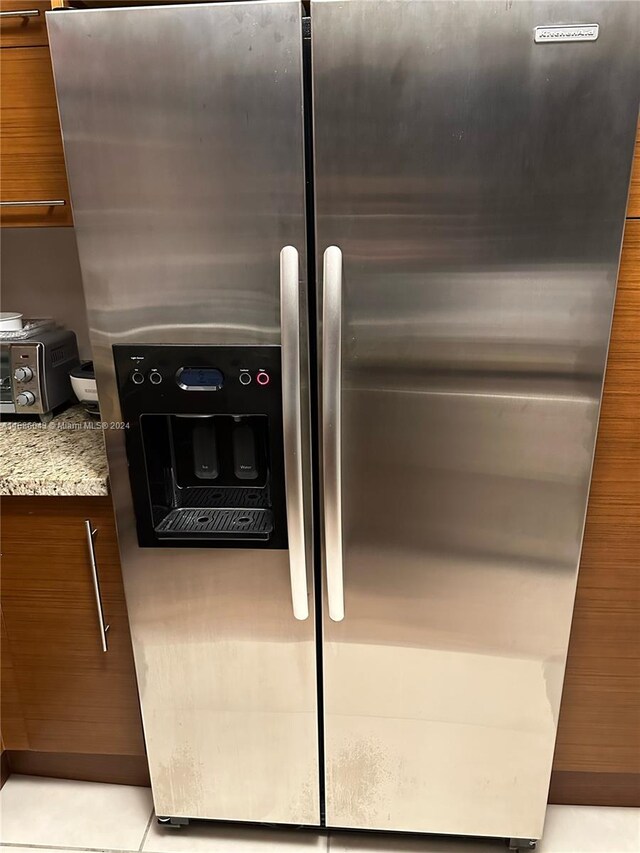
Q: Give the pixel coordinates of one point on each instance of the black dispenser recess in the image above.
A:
(204, 444)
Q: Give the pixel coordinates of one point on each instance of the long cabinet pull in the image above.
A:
(332, 428)
(91, 532)
(292, 428)
(58, 202)
(21, 13)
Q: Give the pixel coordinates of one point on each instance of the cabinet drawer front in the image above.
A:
(74, 697)
(22, 23)
(32, 165)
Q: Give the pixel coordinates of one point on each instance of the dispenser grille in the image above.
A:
(223, 497)
(188, 523)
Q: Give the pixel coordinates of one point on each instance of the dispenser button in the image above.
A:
(245, 378)
(244, 453)
(155, 378)
(137, 378)
(205, 452)
(263, 378)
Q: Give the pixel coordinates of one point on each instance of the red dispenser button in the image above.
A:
(263, 378)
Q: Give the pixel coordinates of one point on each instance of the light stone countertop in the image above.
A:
(63, 457)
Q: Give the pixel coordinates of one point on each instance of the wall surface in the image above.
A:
(40, 276)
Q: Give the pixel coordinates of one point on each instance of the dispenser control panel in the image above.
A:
(204, 444)
(196, 368)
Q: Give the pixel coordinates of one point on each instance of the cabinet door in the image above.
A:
(14, 730)
(22, 23)
(32, 169)
(74, 697)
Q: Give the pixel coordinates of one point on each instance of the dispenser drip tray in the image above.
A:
(209, 523)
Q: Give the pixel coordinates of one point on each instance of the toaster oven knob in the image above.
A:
(23, 374)
(25, 398)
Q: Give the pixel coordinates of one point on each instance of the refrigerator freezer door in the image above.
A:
(475, 182)
(184, 144)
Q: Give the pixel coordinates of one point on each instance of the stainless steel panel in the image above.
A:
(476, 183)
(184, 144)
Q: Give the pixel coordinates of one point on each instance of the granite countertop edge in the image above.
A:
(15, 487)
(65, 458)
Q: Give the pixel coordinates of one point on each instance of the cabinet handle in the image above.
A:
(21, 13)
(91, 532)
(59, 202)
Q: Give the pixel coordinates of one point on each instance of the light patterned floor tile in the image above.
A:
(62, 813)
(71, 817)
(590, 829)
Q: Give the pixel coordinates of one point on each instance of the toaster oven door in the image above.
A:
(6, 391)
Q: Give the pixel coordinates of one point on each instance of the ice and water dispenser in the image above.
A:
(204, 444)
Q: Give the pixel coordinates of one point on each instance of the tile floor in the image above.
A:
(45, 815)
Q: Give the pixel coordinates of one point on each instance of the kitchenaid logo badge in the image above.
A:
(568, 32)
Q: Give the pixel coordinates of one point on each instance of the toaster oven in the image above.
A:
(34, 370)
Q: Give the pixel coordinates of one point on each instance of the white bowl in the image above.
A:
(85, 389)
(10, 321)
(84, 386)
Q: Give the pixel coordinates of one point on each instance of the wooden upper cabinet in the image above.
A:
(66, 694)
(32, 167)
(22, 23)
(633, 208)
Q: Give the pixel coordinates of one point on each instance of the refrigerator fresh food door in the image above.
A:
(183, 134)
(471, 184)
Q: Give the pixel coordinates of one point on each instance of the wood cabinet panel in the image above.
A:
(24, 32)
(599, 729)
(14, 729)
(114, 769)
(75, 698)
(32, 164)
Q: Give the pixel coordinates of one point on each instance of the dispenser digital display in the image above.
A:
(200, 378)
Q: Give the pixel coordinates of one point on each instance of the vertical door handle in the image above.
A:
(332, 428)
(91, 532)
(292, 428)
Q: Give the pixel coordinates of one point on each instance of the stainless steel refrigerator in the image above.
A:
(350, 275)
